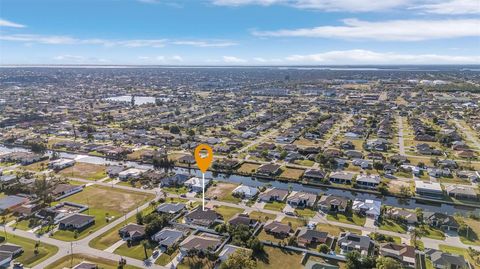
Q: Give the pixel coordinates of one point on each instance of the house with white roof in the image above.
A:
(195, 184)
(430, 189)
(131, 173)
(369, 207)
(245, 191)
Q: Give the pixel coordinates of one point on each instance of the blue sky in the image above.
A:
(239, 32)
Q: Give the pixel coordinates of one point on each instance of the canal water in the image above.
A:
(255, 182)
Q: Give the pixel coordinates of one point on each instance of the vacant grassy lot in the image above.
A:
(347, 218)
(294, 222)
(28, 257)
(335, 230)
(65, 262)
(260, 216)
(390, 225)
(292, 173)
(473, 233)
(277, 206)
(223, 192)
(306, 212)
(38, 166)
(85, 171)
(459, 251)
(172, 190)
(228, 212)
(248, 168)
(433, 233)
(307, 142)
(275, 258)
(304, 162)
(136, 251)
(103, 202)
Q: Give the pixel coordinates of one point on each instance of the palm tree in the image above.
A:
(415, 234)
(41, 188)
(144, 244)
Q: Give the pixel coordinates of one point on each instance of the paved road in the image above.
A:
(468, 134)
(401, 143)
(81, 246)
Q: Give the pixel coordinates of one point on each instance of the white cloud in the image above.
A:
(452, 7)
(177, 58)
(67, 58)
(326, 5)
(161, 59)
(359, 56)
(395, 30)
(5, 23)
(129, 43)
(233, 60)
(203, 44)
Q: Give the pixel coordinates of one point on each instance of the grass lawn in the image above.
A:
(164, 259)
(38, 166)
(391, 225)
(65, 262)
(196, 262)
(293, 222)
(275, 258)
(263, 236)
(454, 180)
(110, 199)
(306, 212)
(100, 221)
(277, 206)
(335, 230)
(135, 251)
(85, 171)
(473, 233)
(248, 168)
(172, 190)
(350, 218)
(292, 173)
(227, 212)
(22, 225)
(260, 216)
(28, 257)
(304, 162)
(111, 236)
(459, 251)
(433, 233)
(103, 201)
(223, 192)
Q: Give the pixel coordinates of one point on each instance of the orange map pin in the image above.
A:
(203, 161)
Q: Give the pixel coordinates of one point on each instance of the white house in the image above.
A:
(245, 191)
(131, 173)
(369, 207)
(431, 189)
(61, 164)
(195, 184)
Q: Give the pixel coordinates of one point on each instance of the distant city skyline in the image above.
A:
(239, 32)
